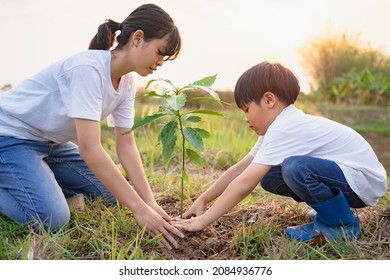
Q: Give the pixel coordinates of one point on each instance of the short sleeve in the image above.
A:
(123, 115)
(256, 147)
(81, 91)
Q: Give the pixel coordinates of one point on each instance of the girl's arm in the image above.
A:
(237, 190)
(130, 159)
(100, 163)
(217, 188)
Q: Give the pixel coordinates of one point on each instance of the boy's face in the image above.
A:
(260, 116)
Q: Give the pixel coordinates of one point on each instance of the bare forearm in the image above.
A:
(132, 164)
(223, 182)
(233, 195)
(219, 186)
(106, 171)
(237, 190)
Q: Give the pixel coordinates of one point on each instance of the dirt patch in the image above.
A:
(224, 240)
(216, 241)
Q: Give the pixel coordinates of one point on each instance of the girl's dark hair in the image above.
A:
(151, 19)
(265, 77)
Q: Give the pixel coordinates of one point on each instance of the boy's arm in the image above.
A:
(237, 190)
(218, 187)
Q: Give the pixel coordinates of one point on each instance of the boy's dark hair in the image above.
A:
(151, 19)
(264, 77)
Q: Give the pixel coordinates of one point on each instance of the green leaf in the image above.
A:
(211, 92)
(207, 112)
(185, 176)
(157, 80)
(168, 139)
(203, 133)
(194, 157)
(153, 94)
(176, 102)
(206, 81)
(192, 136)
(166, 110)
(193, 119)
(148, 94)
(208, 99)
(162, 91)
(205, 85)
(206, 89)
(147, 120)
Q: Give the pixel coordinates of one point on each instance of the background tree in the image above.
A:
(341, 66)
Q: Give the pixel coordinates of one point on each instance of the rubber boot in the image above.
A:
(334, 219)
(303, 233)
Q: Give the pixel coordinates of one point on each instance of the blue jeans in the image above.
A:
(36, 177)
(309, 179)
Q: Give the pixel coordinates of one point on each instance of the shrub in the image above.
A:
(337, 62)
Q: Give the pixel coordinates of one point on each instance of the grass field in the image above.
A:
(252, 230)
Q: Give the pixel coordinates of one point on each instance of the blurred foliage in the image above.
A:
(5, 87)
(344, 69)
(360, 87)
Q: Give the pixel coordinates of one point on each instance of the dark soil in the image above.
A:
(216, 241)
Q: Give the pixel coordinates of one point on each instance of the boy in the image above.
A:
(311, 159)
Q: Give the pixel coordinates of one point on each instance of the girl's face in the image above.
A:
(149, 55)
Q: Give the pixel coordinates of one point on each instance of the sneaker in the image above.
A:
(311, 214)
(77, 202)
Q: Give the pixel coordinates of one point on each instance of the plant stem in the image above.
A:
(182, 164)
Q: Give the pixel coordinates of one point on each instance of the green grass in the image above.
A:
(364, 119)
(382, 129)
(100, 233)
(96, 233)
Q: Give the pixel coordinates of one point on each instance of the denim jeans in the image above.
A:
(36, 177)
(309, 179)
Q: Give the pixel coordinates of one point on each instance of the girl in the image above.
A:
(40, 166)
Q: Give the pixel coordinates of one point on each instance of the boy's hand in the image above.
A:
(195, 210)
(193, 224)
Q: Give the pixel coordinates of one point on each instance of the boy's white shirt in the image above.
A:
(295, 133)
(43, 107)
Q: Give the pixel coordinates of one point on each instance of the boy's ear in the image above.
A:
(269, 99)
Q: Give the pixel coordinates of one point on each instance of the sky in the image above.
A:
(224, 37)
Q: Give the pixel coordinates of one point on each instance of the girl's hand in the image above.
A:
(193, 224)
(155, 225)
(196, 209)
(153, 204)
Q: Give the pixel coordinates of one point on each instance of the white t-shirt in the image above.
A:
(295, 133)
(43, 107)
